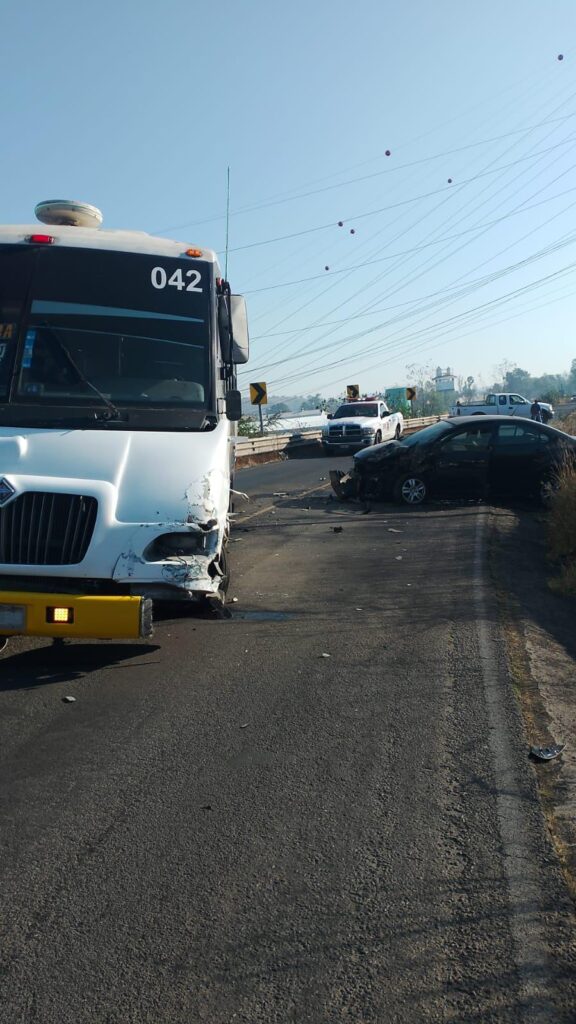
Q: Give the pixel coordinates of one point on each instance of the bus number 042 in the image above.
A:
(160, 279)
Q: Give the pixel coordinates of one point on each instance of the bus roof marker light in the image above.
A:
(193, 252)
(68, 212)
(40, 239)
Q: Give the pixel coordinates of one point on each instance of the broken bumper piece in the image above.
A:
(75, 615)
(344, 485)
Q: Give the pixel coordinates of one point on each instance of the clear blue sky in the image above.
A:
(139, 107)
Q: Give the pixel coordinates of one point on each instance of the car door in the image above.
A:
(461, 462)
(519, 406)
(522, 459)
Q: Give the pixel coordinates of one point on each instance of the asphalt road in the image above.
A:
(317, 810)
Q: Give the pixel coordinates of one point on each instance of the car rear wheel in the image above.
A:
(378, 437)
(410, 490)
(398, 432)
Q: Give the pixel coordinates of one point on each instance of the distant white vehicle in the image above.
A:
(500, 404)
(362, 423)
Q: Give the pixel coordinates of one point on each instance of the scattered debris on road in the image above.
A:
(547, 753)
(68, 700)
(324, 655)
(337, 529)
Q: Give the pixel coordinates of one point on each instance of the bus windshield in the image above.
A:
(87, 326)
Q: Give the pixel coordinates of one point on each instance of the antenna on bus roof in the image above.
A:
(227, 223)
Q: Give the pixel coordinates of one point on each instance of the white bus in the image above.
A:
(118, 404)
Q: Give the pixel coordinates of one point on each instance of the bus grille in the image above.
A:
(46, 529)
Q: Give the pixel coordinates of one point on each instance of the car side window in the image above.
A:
(502, 400)
(517, 400)
(513, 434)
(472, 439)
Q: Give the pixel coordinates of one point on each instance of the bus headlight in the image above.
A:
(181, 545)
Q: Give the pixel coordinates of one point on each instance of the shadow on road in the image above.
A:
(62, 663)
(524, 570)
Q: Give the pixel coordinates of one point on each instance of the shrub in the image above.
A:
(562, 527)
(568, 424)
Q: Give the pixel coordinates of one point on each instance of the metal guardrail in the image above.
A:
(250, 446)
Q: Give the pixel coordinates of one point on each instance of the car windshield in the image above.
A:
(429, 434)
(103, 326)
(356, 409)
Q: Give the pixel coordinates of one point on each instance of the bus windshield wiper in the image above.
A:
(114, 412)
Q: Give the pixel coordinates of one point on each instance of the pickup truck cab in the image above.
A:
(500, 404)
(360, 424)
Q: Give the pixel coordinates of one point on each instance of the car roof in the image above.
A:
(483, 419)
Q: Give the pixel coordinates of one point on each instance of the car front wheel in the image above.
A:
(378, 437)
(410, 490)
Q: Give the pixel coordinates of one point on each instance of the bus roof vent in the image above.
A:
(68, 211)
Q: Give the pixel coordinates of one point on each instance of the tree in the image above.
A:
(517, 380)
(428, 401)
(313, 402)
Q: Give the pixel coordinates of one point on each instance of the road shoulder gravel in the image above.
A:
(541, 653)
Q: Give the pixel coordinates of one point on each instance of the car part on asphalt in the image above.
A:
(547, 753)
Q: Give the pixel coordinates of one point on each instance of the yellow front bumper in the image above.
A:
(24, 613)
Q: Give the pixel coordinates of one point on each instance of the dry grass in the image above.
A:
(567, 424)
(562, 528)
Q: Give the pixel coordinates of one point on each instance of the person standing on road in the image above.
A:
(536, 411)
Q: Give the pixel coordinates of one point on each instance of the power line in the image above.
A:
(266, 204)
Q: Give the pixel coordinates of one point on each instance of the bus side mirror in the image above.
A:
(239, 318)
(233, 406)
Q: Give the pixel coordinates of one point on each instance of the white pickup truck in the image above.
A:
(362, 423)
(501, 404)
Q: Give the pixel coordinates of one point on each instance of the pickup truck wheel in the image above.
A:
(378, 437)
(410, 490)
(398, 432)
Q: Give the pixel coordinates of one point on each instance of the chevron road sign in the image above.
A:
(259, 394)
